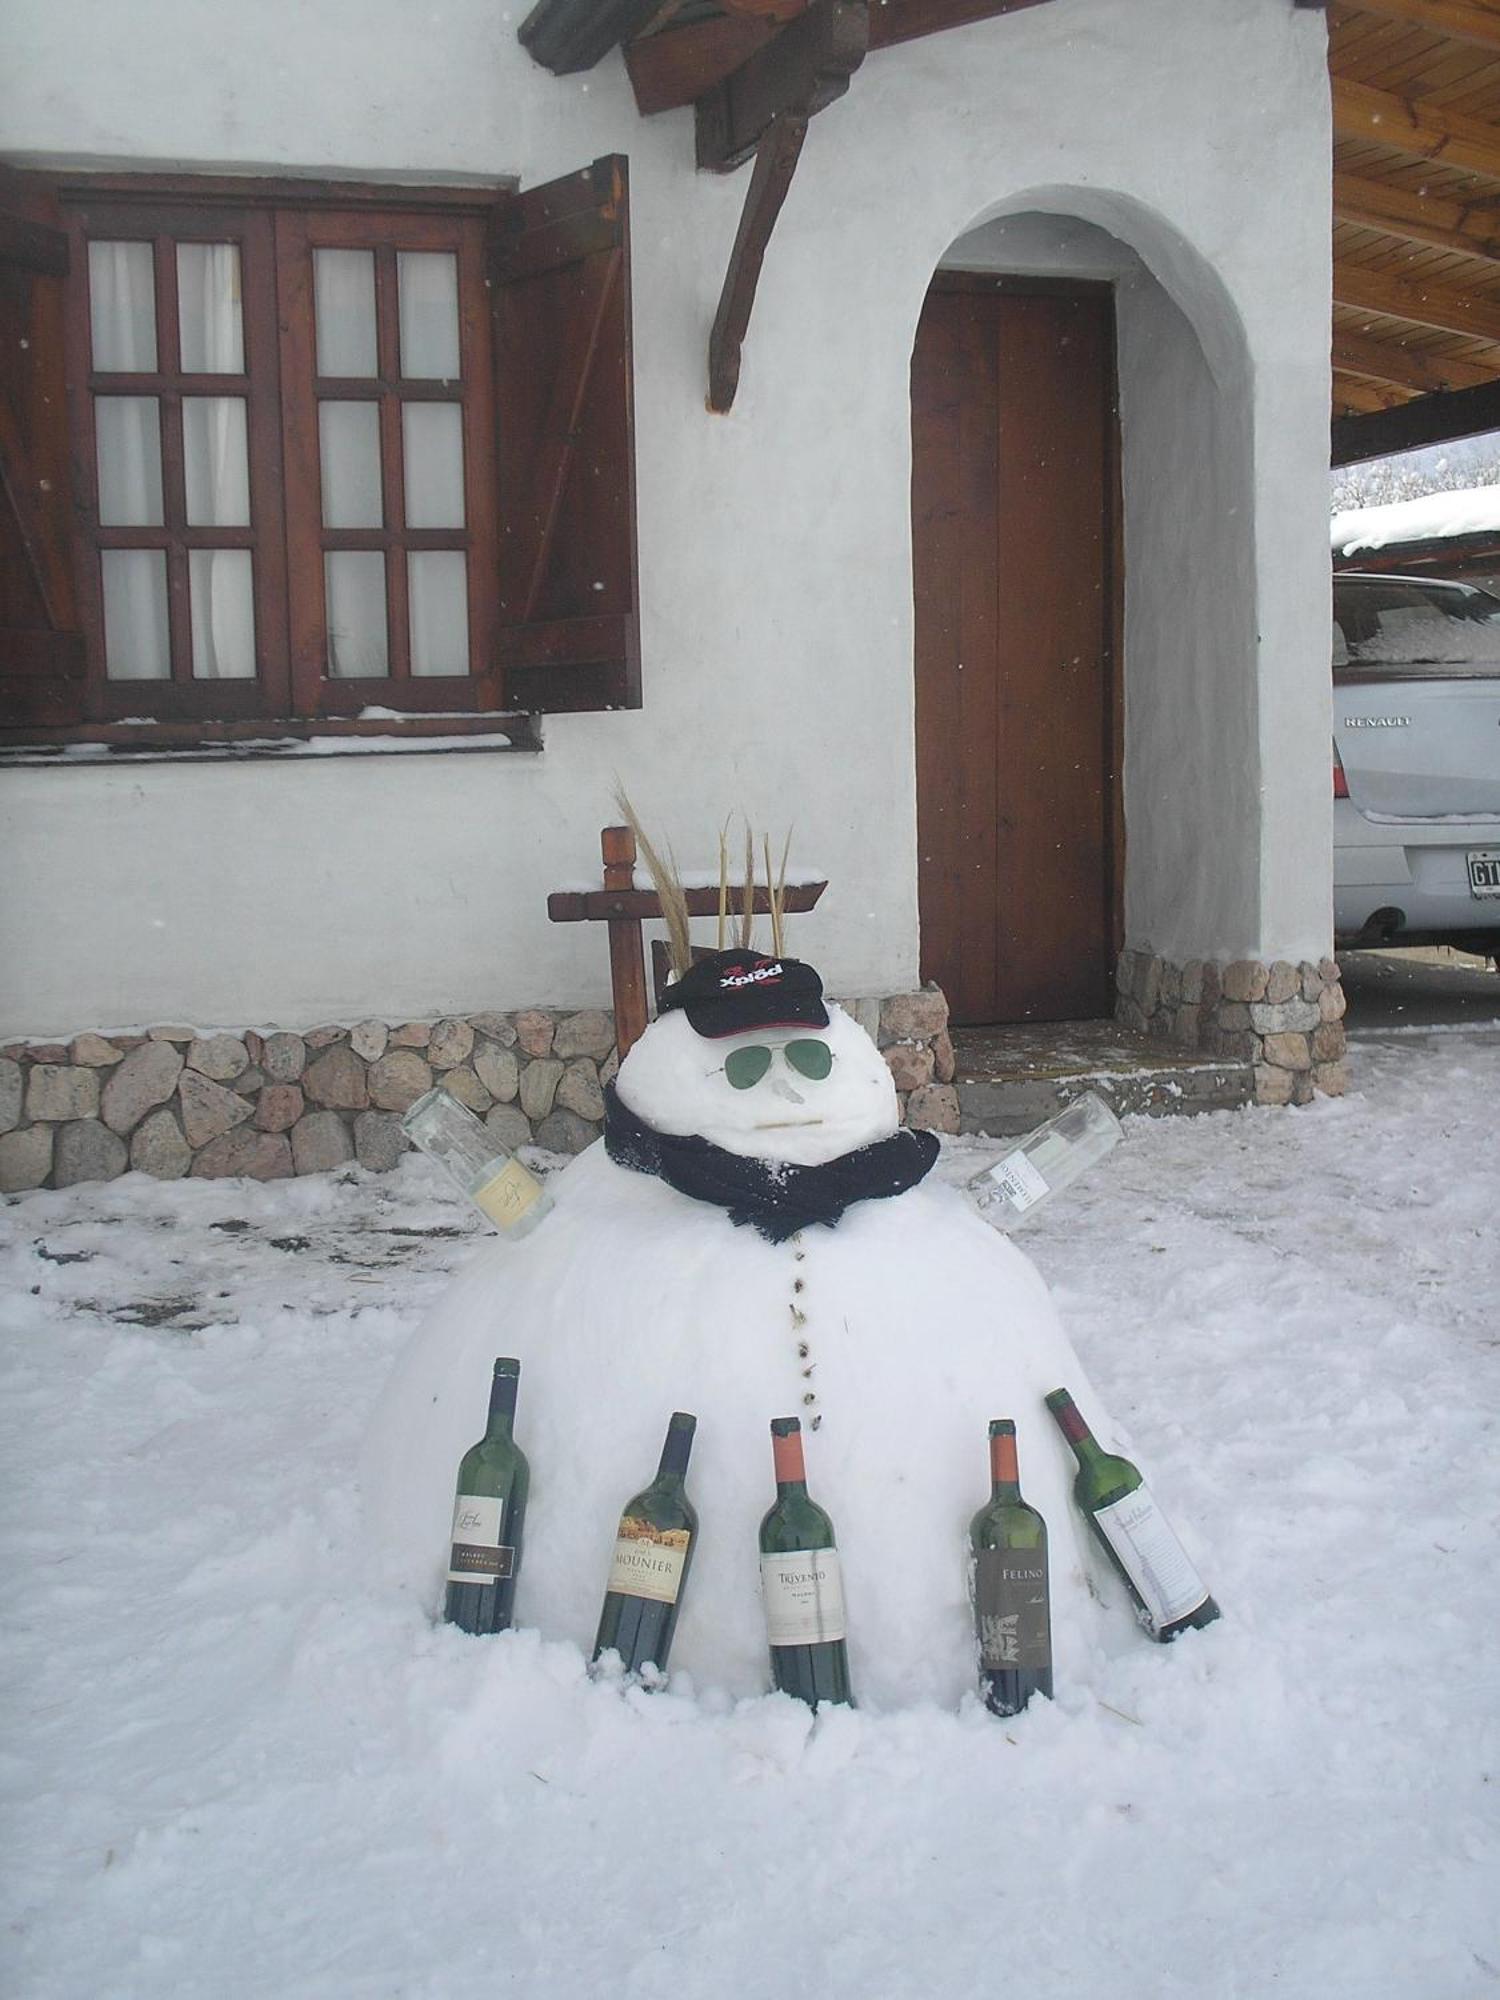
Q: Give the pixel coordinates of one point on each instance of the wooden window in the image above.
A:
(334, 459)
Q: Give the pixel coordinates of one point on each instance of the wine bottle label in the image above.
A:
(804, 1594)
(507, 1195)
(478, 1556)
(649, 1561)
(1152, 1557)
(1010, 1606)
(1018, 1181)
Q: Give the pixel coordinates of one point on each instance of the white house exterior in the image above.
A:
(1175, 148)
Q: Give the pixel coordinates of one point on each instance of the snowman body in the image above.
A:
(895, 1336)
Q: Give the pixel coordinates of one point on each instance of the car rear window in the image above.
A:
(1400, 624)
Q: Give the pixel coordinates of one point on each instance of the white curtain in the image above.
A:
(122, 306)
(215, 443)
(215, 461)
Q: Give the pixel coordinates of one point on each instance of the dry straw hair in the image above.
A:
(668, 883)
(673, 898)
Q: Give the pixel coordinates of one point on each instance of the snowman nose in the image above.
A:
(781, 1088)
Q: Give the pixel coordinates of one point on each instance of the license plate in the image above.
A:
(1484, 871)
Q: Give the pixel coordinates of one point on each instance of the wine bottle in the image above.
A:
(493, 1179)
(1167, 1591)
(802, 1583)
(1047, 1159)
(1009, 1586)
(488, 1515)
(653, 1549)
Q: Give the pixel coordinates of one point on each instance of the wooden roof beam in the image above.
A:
(800, 73)
(1425, 420)
(677, 67)
(1411, 125)
(1387, 361)
(1366, 396)
(1472, 227)
(1421, 304)
(1476, 21)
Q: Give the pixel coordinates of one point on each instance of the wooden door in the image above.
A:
(1014, 518)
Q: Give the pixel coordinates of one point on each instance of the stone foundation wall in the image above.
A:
(269, 1103)
(1286, 1020)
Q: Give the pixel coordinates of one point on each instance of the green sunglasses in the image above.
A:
(745, 1067)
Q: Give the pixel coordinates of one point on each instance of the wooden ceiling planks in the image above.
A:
(1415, 87)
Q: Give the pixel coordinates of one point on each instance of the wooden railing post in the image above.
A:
(627, 957)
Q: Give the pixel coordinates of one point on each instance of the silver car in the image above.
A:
(1416, 762)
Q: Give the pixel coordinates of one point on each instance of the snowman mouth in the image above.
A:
(782, 1124)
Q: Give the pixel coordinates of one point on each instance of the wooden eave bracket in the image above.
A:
(764, 108)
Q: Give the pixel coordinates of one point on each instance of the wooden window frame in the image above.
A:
(543, 649)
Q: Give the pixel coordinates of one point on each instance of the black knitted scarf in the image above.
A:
(770, 1195)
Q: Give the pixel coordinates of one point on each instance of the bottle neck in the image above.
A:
(791, 1472)
(502, 1404)
(1005, 1476)
(1086, 1448)
(677, 1448)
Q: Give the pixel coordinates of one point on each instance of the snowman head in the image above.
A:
(748, 1055)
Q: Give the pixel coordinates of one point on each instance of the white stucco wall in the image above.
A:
(774, 542)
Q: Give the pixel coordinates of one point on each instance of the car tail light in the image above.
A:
(1340, 782)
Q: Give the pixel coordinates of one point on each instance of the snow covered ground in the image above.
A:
(231, 1769)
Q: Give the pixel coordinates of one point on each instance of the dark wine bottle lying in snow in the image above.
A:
(1168, 1593)
(488, 1516)
(1008, 1541)
(801, 1582)
(653, 1548)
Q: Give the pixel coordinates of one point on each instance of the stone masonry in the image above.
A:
(268, 1103)
(1285, 1020)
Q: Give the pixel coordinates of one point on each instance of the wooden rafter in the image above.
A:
(1476, 21)
(1364, 397)
(1387, 361)
(670, 70)
(800, 73)
(1424, 420)
(1411, 299)
(676, 68)
(1473, 228)
(1412, 125)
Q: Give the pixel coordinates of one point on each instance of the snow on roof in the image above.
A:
(1432, 518)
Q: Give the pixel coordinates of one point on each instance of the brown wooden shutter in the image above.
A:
(41, 648)
(569, 633)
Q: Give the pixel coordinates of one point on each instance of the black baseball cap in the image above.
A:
(730, 992)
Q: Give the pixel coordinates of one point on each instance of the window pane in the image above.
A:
(433, 435)
(438, 586)
(349, 445)
(127, 436)
(344, 288)
(427, 285)
(355, 581)
(136, 645)
(208, 309)
(221, 588)
(216, 461)
(122, 307)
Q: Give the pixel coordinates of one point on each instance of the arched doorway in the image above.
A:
(1081, 491)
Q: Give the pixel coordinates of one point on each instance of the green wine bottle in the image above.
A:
(1009, 1586)
(802, 1583)
(1167, 1591)
(488, 1516)
(653, 1549)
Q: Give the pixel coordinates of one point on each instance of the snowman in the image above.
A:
(755, 1237)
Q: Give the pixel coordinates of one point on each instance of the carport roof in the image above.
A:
(1416, 232)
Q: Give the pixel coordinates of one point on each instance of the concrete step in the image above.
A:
(1010, 1079)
